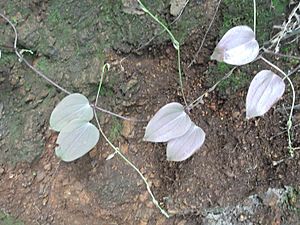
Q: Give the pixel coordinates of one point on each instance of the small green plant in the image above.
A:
(237, 80)
(291, 199)
(223, 67)
(115, 130)
(6, 219)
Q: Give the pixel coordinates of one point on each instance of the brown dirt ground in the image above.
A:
(235, 162)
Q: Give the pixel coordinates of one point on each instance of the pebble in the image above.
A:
(45, 200)
(131, 84)
(124, 148)
(127, 130)
(242, 218)
(176, 7)
(44, 94)
(30, 98)
(236, 114)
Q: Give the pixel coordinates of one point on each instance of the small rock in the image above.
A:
(124, 148)
(45, 200)
(30, 98)
(177, 6)
(14, 81)
(131, 86)
(242, 218)
(213, 106)
(44, 94)
(236, 114)
(127, 130)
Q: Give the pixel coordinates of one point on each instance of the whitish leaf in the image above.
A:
(76, 139)
(181, 148)
(74, 106)
(169, 122)
(265, 90)
(237, 47)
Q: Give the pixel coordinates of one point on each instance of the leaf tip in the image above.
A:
(217, 55)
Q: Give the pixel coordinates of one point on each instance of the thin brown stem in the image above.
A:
(206, 33)
(200, 98)
(280, 54)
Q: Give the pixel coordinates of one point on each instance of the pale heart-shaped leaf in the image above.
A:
(183, 147)
(237, 47)
(75, 140)
(73, 106)
(169, 122)
(265, 90)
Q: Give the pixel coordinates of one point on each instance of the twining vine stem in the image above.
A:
(175, 44)
(200, 98)
(117, 150)
(22, 59)
(205, 35)
(289, 122)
